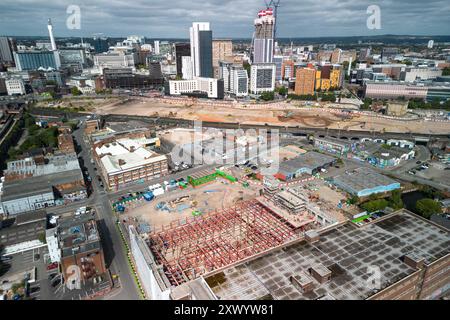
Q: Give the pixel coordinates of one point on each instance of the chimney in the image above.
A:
(121, 162)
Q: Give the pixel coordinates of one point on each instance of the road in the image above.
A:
(113, 247)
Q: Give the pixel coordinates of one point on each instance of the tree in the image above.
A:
(375, 205)
(75, 91)
(268, 96)
(282, 90)
(353, 200)
(446, 71)
(427, 207)
(41, 237)
(395, 201)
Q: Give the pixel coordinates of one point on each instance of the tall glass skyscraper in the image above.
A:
(201, 50)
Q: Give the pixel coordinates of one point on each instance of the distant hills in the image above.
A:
(385, 39)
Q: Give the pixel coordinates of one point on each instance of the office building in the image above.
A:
(287, 69)
(114, 60)
(201, 50)
(305, 80)
(181, 50)
(262, 78)
(364, 53)
(389, 53)
(238, 81)
(186, 68)
(263, 42)
(336, 56)
(411, 74)
(7, 47)
(34, 60)
(15, 87)
(73, 57)
(126, 158)
(198, 87)
(224, 73)
(124, 78)
(222, 51)
(278, 61)
(100, 44)
(156, 47)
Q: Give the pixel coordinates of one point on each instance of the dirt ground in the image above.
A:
(206, 198)
(276, 115)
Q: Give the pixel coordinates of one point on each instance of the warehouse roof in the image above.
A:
(27, 187)
(310, 160)
(362, 179)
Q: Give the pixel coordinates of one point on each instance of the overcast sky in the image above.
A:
(228, 18)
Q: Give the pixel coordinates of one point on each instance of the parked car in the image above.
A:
(52, 266)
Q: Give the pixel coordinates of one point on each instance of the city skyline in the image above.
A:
(156, 19)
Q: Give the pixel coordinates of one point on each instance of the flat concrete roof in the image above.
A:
(310, 160)
(18, 189)
(347, 251)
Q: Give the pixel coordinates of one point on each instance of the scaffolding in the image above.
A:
(197, 246)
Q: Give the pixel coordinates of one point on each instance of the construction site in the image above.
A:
(219, 239)
(171, 208)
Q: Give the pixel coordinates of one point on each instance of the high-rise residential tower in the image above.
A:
(201, 50)
(263, 41)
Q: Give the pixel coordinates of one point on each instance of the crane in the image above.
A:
(274, 4)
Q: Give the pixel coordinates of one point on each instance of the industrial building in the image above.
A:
(35, 183)
(17, 231)
(332, 145)
(308, 163)
(126, 158)
(363, 182)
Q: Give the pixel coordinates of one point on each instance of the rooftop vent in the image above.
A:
(302, 281)
(321, 273)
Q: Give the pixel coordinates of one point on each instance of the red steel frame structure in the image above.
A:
(217, 240)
